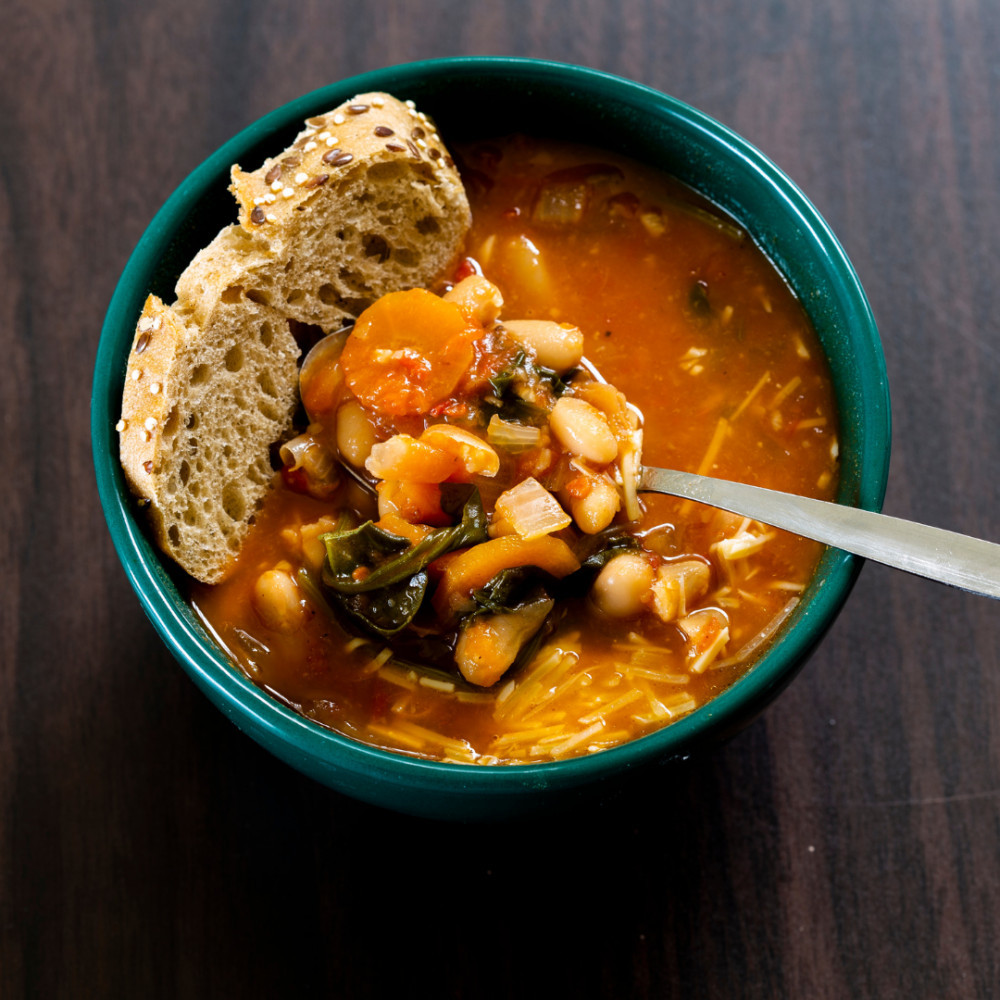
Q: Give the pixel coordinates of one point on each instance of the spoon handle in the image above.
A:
(945, 556)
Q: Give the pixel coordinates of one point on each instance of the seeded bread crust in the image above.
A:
(200, 408)
(366, 201)
(212, 381)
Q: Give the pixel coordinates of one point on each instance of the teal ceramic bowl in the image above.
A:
(479, 97)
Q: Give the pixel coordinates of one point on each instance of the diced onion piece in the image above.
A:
(474, 567)
(473, 454)
(532, 510)
(403, 457)
(512, 437)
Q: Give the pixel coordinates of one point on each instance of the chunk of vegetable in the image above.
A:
(512, 436)
(406, 458)
(407, 352)
(677, 586)
(488, 645)
(417, 503)
(531, 510)
(473, 455)
(707, 632)
(473, 568)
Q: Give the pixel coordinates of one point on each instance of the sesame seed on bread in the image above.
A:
(365, 201)
(200, 409)
(212, 381)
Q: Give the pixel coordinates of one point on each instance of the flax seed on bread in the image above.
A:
(365, 201)
(212, 381)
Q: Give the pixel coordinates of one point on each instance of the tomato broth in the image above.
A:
(682, 313)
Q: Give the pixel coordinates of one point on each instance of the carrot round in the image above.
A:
(407, 352)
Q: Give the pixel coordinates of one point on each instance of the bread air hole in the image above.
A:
(266, 383)
(408, 258)
(200, 374)
(259, 296)
(266, 334)
(174, 534)
(234, 293)
(376, 246)
(328, 295)
(232, 501)
(234, 358)
(269, 410)
(428, 225)
(294, 296)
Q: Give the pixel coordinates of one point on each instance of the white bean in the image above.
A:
(355, 433)
(277, 601)
(583, 430)
(478, 298)
(558, 346)
(595, 511)
(622, 584)
(527, 269)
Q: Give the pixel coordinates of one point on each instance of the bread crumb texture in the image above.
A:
(366, 201)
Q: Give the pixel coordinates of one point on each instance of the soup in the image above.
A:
(660, 604)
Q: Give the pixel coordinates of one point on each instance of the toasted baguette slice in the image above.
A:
(200, 409)
(365, 201)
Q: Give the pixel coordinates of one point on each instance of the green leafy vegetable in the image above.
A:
(523, 392)
(378, 579)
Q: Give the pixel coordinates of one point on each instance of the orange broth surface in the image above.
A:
(682, 313)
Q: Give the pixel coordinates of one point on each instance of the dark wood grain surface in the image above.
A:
(846, 845)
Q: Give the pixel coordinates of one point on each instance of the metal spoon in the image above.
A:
(945, 556)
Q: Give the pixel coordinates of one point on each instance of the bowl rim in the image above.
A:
(317, 749)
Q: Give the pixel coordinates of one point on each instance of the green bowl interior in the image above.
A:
(556, 101)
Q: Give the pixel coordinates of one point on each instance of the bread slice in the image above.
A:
(200, 409)
(366, 201)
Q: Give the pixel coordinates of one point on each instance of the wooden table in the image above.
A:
(846, 844)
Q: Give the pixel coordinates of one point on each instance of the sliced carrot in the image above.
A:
(395, 525)
(476, 566)
(407, 352)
